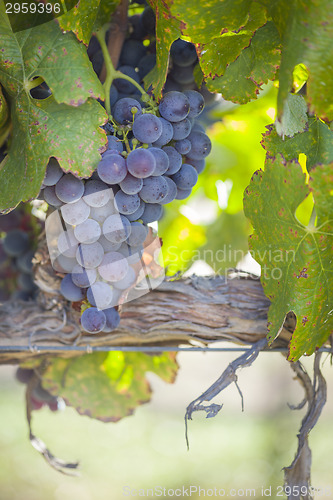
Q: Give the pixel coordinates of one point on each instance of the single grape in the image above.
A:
(51, 198)
(153, 212)
(113, 267)
(69, 188)
(83, 278)
(161, 160)
(113, 95)
(147, 128)
(112, 169)
(88, 231)
(138, 234)
(181, 129)
(116, 228)
(112, 319)
(126, 203)
(125, 109)
(141, 163)
(174, 106)
(131, 184)
(199, 165)
(183, 147)
(90, 256)
(15, 243)
(137, 214)
(70, 291)
(53, 173)
(172, 191)
(154, 189)
(75, 213)
(166, 135)
(200, 145)
(186, 177)
(183, 75)
(183, 53)
(175, 159)
(97, 193)
(197, 102)
(183, 193)
(93, 320)
(100, 294)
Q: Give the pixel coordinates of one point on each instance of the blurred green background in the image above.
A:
(233, 450)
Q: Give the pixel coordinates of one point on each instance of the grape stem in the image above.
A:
(111, 72)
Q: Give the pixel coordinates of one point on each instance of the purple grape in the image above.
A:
(70, 291)
(174, 106)
(138, 234)
(154, 189)
(183, 53)
(96, 193)
(122, 111)
(181, 130)
(125, 86)
(116, 228)
(172, 191)
(183, 147)
(152, 213)
(16, 242)
(69, 188)
(53, 173)
(126, 203)
(112, 169)
(51, 198)
(147, 128)
(183, 193)
(114, 144)
(137, 214)
(200, 145)
(186, 177)
(197, 103)
(199, 165)
(112, 319)
(113, 267)
(131, 184)
(93, 320)
(141, 163)
(83, 278)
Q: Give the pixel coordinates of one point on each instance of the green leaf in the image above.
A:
(44, 128)
(294, 118)
(306, 30)
(316, 143)
(107, 386)
(87, 17)
(45, 51)
(202, 21)
(296, 260)
(225, 48)
(4, 118)
(255, 65)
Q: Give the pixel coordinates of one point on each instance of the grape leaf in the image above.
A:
(107, 386)
(296, 260)
(256, 64)
(306, 29)
(225, 48)
(4, 118)
(87, 17)
(202, 21)
(294, 118)
(45, 51)
(44, 128)
(316, 143)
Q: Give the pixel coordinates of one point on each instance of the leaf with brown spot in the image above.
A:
(107, 386)
(296, 260)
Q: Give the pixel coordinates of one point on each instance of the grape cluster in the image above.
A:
(17, 246)
(39, 396)
(153, 156)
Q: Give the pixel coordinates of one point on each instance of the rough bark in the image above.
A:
(185, 311)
